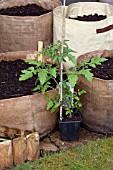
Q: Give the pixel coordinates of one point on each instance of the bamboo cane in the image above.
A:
(62, 49)
(40, 46)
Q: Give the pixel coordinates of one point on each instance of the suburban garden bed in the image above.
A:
(13, 88)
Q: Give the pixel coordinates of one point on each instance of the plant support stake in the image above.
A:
(62, 48)
(40, 46)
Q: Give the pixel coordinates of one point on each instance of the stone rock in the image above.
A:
(19, 150)
(6, 158)
(32, 146)
(47, 148)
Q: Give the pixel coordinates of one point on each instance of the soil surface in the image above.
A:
(10, 86)
(105, 70)
(28, 10)
(10, 71)
(90, 18)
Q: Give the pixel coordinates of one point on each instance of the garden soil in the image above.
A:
(105, 70)
(28, 10)
(90, 18)
(10, 86)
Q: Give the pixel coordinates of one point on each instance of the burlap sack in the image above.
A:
(85, 36)
(97, 110)
(23, 33)
(46, 4)
(27, 111)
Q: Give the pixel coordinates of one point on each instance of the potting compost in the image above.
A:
(90, 17)
(27, 10)
(105, 70)
(10, 86)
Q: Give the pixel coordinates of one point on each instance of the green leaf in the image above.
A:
(77, 98)
(81, 92)
(3, 139)
(60, 59)
(42, 74)
(79, 105)
(98, 60)
(57, 86)
(57, 104)
(45, 87)
(79, 65)
(55, 107)
(72, 80)
(72, 58)
(82, 64)
(53, 72)
(55, 58)
(88, 75)
(31, 69)
(68, 111)
(47, 96)
(92, 65)
(50, 105)
(48, 53)
(26, 75)
(71, 68)
(34, 62)
(36, 88)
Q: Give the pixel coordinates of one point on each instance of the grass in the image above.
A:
(96, 155)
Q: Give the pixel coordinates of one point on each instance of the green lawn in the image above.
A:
(96, 155)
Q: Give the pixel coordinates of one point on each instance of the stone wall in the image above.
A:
(17, 150)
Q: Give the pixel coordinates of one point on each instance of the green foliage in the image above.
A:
(3, 139)
(54, 52)
(46, 72)
(71, 98)
(53, 103)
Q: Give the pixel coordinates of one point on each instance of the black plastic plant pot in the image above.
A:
(69, 130)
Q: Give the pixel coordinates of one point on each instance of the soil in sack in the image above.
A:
(28, 10)
(10, 86)
(90, 18)
(105, 70)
